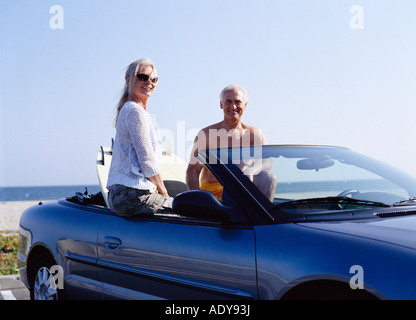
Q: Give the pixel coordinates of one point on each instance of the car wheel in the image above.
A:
(42, 281)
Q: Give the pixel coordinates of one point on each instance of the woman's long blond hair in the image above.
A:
(130, 77)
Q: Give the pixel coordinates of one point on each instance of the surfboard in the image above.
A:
(172, 169)
(103, 167)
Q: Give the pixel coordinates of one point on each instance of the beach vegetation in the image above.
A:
(8, 253)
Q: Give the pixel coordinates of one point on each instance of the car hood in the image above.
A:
(396, 230)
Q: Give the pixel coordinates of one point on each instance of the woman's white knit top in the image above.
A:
(137, 148)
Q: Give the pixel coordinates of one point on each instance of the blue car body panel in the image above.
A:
(154, 254)
(65, 230)
(177, 261)
(327, 251)
(169, 260)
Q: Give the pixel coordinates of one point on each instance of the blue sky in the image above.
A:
(311, 77)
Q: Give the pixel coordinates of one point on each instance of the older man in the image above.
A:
(231, 131)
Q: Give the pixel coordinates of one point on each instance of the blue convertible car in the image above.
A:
(294, 222)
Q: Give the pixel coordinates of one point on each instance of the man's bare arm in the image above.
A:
(194, 167)
(192, 176)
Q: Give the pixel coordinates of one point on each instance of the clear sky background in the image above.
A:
(317, 72)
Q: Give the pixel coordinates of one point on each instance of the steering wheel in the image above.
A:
(348, 192)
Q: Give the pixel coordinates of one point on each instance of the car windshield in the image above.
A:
(319, 179)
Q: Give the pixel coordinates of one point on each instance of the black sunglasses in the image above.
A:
(145, 77)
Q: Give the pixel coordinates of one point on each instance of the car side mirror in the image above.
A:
(201, 204)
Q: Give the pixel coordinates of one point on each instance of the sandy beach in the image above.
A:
(10, 212)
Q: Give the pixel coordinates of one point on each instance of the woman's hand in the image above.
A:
(158, 182)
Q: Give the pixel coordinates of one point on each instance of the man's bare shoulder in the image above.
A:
(203, 135)
(216, 126)
(257, 135)
(249, 127)
(221, 125)
(252, 129)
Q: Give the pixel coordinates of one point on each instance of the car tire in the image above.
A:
(42, 282)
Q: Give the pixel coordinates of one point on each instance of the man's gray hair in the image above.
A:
(234, 87)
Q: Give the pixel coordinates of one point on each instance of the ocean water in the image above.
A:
(283, 189)
(44, 193)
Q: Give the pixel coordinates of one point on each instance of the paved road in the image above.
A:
(11, 288)
(15, 294)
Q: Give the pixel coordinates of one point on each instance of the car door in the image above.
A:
(172, 258)
(76, 230)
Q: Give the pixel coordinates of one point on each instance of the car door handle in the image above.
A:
(112, 243)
